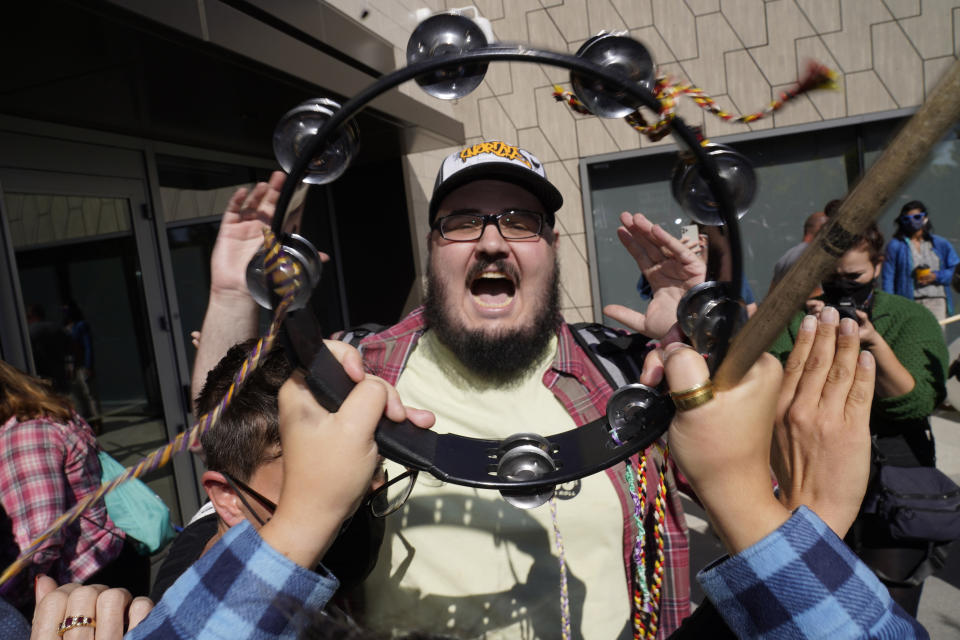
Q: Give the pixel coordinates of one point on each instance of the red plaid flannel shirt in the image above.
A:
(45, 468)
(584, 392)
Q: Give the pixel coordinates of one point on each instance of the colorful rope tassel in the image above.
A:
(817, 76)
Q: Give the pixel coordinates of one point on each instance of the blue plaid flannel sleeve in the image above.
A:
(802, 581)
(242, 588)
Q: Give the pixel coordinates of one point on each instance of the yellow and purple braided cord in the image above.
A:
(285, 275)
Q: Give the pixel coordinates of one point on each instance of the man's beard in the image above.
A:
(503, 355)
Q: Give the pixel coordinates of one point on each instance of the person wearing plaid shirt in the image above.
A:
(583, 392)
(499, 295)
(490, 355)
(516, 287)
(47, 464)
(790, 575)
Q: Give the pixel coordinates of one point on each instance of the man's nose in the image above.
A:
(491, 240)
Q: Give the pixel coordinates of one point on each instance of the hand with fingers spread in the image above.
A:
(231, 315)
(85, 612)
(241, 234)
(669, 266)
(821, 444)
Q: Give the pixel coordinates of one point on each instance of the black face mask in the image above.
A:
(843, 292)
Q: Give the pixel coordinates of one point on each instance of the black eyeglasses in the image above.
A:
(914, 216)
(265, 502)
(467, 226)
(392, 494)
(385, 500)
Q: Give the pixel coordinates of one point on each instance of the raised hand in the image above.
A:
(241, 234)
(821, 443)
(669, 266)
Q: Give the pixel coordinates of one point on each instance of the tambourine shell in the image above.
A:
(443, 35)
(298, 127)
(616, 53)
(690, 190)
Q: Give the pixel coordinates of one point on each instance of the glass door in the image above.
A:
(91, 290)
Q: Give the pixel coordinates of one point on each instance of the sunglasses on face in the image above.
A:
(914, 216)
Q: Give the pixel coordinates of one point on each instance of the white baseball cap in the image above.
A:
(495, 160)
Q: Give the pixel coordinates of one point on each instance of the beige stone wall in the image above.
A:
(888, 53)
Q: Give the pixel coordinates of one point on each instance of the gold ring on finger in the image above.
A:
(72, 622)
(695, 396)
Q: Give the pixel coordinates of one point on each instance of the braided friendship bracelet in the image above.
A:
(659, 514)
(817, 76)
(646, 597)
(286, 277)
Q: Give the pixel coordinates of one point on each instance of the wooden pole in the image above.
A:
(860, 207)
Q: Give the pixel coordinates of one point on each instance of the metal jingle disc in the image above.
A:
(303, 253)
(696, 302)
(616, 53)
(447, 34)
(297, 128)
(628, 409)
(526, 457)
(691, 191)
(706, 312)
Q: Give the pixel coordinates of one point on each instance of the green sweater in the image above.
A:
(917, 340)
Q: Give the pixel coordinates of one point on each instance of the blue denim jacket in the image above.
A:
(896, 275)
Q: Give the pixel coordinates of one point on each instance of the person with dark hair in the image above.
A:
(919, 265)
(241, 450)
(48, 463)
(490, 354)
(245, 469)
(911, 357)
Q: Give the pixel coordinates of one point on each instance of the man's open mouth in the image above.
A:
(493, 289)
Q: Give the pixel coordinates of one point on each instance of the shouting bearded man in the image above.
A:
(490, 356)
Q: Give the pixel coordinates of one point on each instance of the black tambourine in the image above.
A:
(449, 60)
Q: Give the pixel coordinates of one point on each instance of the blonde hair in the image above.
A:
(28, 397)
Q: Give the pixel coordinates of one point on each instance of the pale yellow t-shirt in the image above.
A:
(464, 562)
